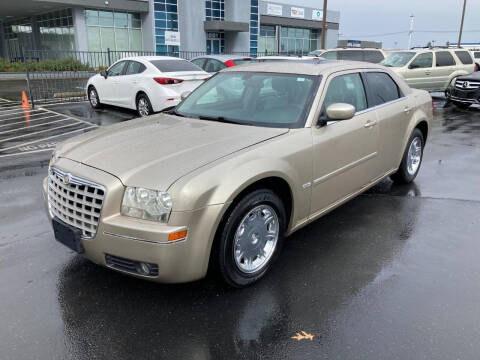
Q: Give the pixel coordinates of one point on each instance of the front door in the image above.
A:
(419, 73)
(108, 88)
(344, 152)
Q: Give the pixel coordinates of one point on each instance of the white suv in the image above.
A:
(430, 69)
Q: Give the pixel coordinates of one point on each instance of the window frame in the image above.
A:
(142, 67)
(417, 56)
(449, 53)
(121, 73)
(467, 54)
(370, 94)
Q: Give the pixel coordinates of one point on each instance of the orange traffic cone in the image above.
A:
(25, 103)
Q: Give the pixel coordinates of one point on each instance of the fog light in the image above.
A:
(143, 268)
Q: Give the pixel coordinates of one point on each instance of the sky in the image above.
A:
(433, 18)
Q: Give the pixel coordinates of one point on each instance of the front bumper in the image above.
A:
(146, 241)
(464, 96)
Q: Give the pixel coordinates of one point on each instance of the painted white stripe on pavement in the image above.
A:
(26, 152)
(38, 132)
(24, 117)
(33, 126)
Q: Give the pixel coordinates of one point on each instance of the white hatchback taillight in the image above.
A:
(167, 81)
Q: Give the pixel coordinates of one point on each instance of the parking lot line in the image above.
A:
(52, 111)
(33, 126)
(38, 132)
(44, 139)
(17, 111)
(23, 116)
(26, 152)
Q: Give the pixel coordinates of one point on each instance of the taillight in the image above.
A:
(167, 81)
(475, 68)
(229, 63)
(433, 107)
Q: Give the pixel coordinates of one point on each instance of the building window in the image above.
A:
(254, 22)
(267, 39)
(166, 19)
(215, 43)
(117, 31)
(214, 10)
(297, 40)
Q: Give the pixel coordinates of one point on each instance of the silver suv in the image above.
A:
(430, 69)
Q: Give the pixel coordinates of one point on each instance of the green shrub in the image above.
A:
(47, 65)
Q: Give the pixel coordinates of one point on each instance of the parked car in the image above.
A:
(430, 69)
(215, 63)
(270, 58)
(146, 83)
(464, 90)
(249, 157)
(357, 54)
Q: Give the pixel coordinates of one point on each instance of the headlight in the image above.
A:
(52, 159)
(146, 204)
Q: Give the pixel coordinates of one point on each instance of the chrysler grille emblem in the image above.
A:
(465, 84)
(66, 179)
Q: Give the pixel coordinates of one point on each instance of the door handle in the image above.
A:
(370, 123)
(407, 109)
(427, 72)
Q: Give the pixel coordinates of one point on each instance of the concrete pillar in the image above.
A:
(36, 40)
(148, 28)
(237, 10)
(191, 15)
(80, 29)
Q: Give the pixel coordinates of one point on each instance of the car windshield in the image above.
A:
(252, 98)
(174, 65)
(397, 59)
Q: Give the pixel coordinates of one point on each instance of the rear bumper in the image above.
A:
(147, 241)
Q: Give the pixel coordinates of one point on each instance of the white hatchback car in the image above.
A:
(145, 83)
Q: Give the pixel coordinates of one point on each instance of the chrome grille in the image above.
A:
(467, 84)
(75, 201)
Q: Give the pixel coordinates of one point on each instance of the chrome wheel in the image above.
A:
(256, 239)
(414, 156)
(93, 98)
(143, 107)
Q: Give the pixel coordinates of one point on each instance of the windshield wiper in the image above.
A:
(172, 111)
(219, 119)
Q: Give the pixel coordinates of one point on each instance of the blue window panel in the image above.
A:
(160, 40)
(216, 13)
(254, 2)
(253, 37)
(171, 16)
(208, 47)
(208, 12)
(172, 8)
(254, 17)
(216, 5)
(172, 2)
(253, 44)
(172, 24)
(161, 24)
(160, 16)
(161, 48)
(159, 32)
(254, 23)
(159, 7)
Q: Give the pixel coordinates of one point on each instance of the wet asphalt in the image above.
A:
(393, 274)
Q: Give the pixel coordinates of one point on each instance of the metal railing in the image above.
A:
(61, 76)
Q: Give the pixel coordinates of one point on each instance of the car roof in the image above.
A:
(222, 57)
(285, 57)
(151, 58)
(305, 68)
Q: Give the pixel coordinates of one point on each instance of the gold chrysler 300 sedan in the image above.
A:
(249, 157)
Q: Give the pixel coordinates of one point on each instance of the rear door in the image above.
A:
(420, 72)
(393, 113)
(445, 65)
(344, 152)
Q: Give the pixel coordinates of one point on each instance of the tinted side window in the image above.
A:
(444, 58)
(381, 87)
(476, 54)
(346, 89)
(174, 65)
(356, 55)
(214, 65)
(199, 62)
(422, 61)
(330, 55)
(464, 57)
(373, 56)
(134, 67)
(116, 69)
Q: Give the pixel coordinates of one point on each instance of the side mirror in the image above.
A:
(413, 66)
(184, 95)
(104, 73)
(340, 111)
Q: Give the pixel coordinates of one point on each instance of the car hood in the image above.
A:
(154, 152)
(475, 76)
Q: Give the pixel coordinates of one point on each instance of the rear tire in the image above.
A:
(461, 105)
(93, 98)
(144, 107)
(411, 160)
(251, 238)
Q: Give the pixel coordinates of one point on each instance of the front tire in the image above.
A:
(144, 107)
(93, 98)
(251, 238)
(411, 160)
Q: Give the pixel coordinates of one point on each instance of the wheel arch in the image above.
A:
(423, 127)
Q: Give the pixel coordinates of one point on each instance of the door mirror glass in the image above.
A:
(340, 111)
(104, 73)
